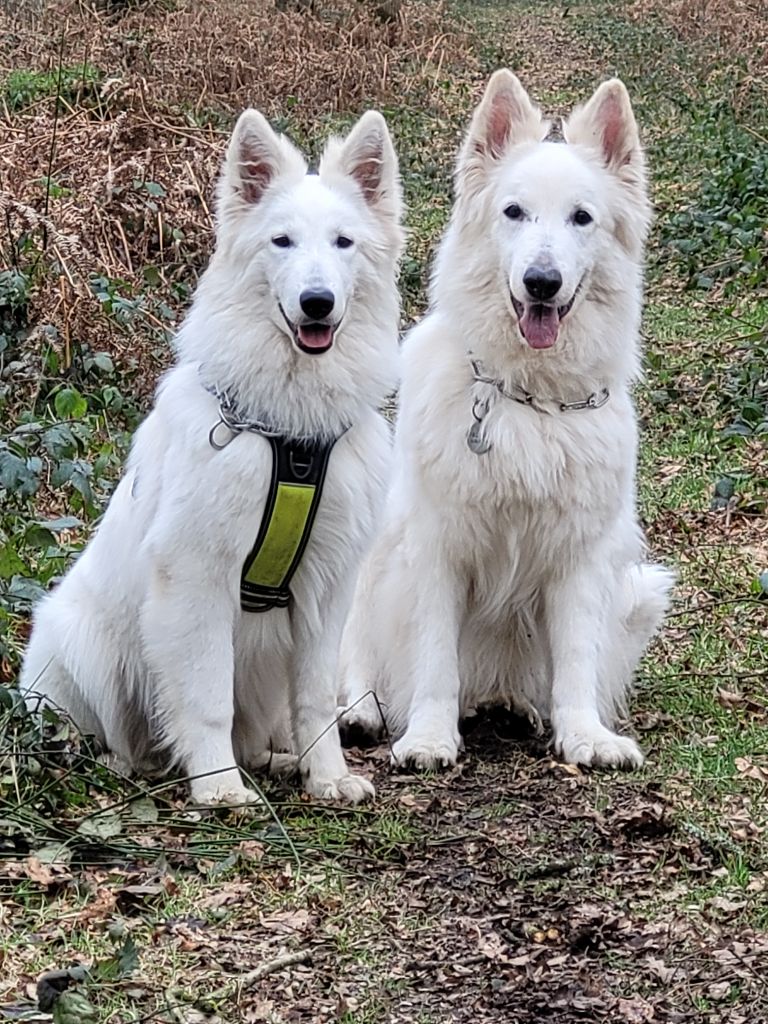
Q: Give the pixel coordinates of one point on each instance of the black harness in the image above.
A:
(299, 466)
(298, 475)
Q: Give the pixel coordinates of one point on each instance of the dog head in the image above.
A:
(553, 211)
(305, 243)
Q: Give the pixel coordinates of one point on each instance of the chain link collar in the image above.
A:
(481, 407)
(232, 422)
(519, 394)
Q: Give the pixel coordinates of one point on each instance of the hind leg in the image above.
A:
(71, 666)
(189, 646)
(45, 682)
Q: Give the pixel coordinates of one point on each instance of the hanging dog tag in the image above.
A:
(476, 440)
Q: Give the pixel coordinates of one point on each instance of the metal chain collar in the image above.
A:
(234, 423)
(593, 401)
(476, 440)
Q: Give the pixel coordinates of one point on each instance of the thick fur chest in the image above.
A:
(550, 489)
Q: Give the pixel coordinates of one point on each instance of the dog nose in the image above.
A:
(316, 303)
(542, 284)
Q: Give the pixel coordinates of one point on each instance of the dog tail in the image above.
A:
(647, 590)
(643, 602)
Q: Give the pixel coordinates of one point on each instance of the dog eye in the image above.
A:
(282, 241)
(514, 212)
(342, 242)
(582, 218)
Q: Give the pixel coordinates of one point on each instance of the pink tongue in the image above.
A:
(540, 325)
(316, 335)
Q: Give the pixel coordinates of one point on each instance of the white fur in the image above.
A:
(144, 642)
(517, 576)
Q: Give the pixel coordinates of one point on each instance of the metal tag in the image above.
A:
(476, 440)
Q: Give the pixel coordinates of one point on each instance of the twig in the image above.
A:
(237, 987)
(429, 965)
(718, 603)
(52, 150)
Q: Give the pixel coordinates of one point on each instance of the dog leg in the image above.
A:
(313, 700)
(576, 613)
(190, 652)
(359, 710)
(431, 667)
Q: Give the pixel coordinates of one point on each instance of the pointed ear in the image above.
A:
(606, 123)
(504, 117)
(368, 157)
(255, 157)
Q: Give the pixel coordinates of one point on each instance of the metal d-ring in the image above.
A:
(232, 434)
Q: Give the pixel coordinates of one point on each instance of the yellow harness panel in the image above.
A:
(284, 536)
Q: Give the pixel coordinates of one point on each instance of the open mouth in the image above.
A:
(539, 322)
(313, 337)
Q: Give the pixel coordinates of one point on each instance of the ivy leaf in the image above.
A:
(25, 591)
(39, 538)
(76, 472)
(59, 524)
(73, 1008)
(60, 441)
(105, 825)
(70, 404)
(21, 476)
(10, 563)
(144, 809)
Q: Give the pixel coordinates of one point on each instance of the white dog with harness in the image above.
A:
(201, 625)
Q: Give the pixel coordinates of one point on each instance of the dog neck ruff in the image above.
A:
(299, 465)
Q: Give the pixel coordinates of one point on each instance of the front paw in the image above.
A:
(425, 752)
(599, 747)
(224, 792)
(361, 724)
(349, 789)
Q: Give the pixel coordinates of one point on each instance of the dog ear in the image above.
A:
(255, 157)
(504, 117)
(368, 157)
(606, 123)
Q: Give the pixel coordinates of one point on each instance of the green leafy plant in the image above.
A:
(25, 86)
(720, 237)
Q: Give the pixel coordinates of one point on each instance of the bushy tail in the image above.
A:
(644, 600)
(647, 593)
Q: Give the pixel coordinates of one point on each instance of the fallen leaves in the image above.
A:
(748, 769)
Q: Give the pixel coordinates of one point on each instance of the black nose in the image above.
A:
(542, 284)
(316, 303)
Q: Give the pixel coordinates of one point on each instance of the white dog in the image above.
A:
(510, 567)
(293, 330)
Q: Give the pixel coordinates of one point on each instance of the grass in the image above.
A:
(431, 905)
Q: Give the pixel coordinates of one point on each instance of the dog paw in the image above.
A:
(360, 724)
(349, 789)
(424, 752)
(115, 763)
(599, 748)
(224, 795)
